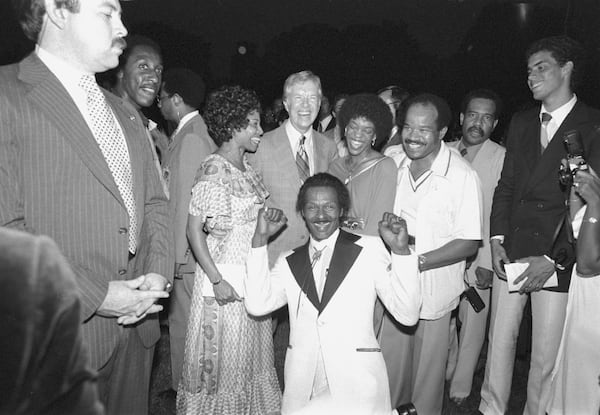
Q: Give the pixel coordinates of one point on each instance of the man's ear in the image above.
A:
(462, 118)
(443, 132)
(57, 15)
(177, 100)
(567, 68)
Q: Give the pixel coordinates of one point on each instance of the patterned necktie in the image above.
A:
(302, 161)
(114, 148)
(544, 130)
(463, 152)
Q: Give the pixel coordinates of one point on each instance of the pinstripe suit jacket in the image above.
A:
(54, 180)
(183, 158)
(276, 163)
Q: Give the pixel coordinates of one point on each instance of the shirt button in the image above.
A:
(517, 229)
(122, 271)
(536, 234)
(122, 231)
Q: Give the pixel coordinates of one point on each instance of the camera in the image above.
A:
(575, 158)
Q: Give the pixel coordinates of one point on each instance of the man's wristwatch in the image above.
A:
(422, 261)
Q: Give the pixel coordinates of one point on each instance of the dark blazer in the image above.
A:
(45, 367)
(54, 180)
(528, 202)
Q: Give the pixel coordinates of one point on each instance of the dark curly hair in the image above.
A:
(227, 110)
(370, 107)
(30, 14)
(563, 49)
(325, 180)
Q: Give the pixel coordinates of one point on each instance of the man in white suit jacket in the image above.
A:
(478, 118)
(333, 364)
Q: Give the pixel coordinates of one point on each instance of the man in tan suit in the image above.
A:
(478, 118)
(181, 95)
(277, 157)
(76, 166)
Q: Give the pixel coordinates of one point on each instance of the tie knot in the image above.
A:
(546, 118)
(463, 152)
(316, 255)
(302, 140)
(88, 84)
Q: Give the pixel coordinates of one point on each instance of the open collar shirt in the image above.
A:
(442, 205)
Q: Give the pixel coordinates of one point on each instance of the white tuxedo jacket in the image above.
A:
(341, 324)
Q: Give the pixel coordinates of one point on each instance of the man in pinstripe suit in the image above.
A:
(58, 178)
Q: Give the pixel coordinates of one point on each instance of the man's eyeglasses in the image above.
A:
(160, 98)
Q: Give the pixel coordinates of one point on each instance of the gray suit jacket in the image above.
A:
(183, 158)
(276, 163)
(54, 180)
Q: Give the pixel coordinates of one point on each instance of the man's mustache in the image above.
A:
(476, 129)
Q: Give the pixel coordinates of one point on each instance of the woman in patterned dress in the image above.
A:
(228, 364)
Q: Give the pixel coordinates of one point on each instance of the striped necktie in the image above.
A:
(112, 143)
(302, 161)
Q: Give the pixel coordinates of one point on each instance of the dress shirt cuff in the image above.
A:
(498, 237)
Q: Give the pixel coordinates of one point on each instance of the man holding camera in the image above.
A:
(527, 223)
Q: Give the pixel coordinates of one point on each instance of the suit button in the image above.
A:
(522, 201)
(517, 229)
(540, 206)
(122, 231)
(122, 271)
(536, 234)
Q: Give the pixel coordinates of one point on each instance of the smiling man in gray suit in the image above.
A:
(290, 154)
(75, 165)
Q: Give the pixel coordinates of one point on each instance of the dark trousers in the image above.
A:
(124, 382)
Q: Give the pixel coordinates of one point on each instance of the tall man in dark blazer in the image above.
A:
(527, 210)
(277, 157)
(181, 95)
(76, 166)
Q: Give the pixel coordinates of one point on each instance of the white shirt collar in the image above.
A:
(559, 114)
(325, 121)
(440, 163)
(294, 135)
(68, 75)
(184, 120)
(329, 242)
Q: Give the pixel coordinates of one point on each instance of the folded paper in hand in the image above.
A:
(515, 269)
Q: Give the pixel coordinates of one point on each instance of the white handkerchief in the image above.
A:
(515, 269)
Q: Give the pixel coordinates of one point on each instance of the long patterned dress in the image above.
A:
(228, 364)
